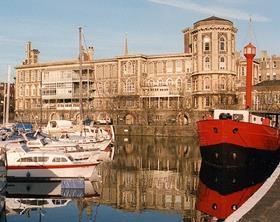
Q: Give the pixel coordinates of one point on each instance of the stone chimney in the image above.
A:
(90, 53)
(264, 55)
(34, 55)
(31, 55)
(187, 40)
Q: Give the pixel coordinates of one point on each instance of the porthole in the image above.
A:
(215, 130)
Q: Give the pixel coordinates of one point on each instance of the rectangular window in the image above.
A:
(169, 66)
(243, 71)
(206, 46)
(195, 102)
(179, 66)
(207, 101)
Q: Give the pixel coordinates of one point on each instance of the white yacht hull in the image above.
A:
(84, 170)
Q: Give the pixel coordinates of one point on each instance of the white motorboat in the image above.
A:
(26, 205)
(53, 189)
(25, 164)
(59, 126)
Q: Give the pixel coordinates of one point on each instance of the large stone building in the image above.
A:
(138, 89)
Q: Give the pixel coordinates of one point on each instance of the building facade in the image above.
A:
(138, 89)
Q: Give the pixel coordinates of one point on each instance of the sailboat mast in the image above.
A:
(8, 96)
(80, 75)
(4, 103)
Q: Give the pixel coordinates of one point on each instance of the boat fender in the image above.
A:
(28, 174)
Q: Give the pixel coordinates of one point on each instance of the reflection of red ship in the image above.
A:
(215, 204)
(237, 137)
(223, 190)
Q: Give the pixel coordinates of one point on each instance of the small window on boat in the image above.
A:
(59, 201)
(34, 202)
(44, 142)
(42, 159)
(25, 159)
(33, 159)
(238, 117)
(59, 159)
(53, 124)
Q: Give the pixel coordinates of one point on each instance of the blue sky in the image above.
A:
(152, 26)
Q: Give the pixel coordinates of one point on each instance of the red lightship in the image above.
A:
(240, 137)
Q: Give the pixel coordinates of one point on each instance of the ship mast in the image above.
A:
(80, 77)
(7, 105)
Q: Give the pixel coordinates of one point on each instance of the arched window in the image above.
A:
(189, 84)
(222, 44)
(33, 90)
(114, 87)
(169, 82)
(106, 87)
(179, 66)
(151, 82)
(125, 68)
(179, 84)
(38, 91)
(222, 63)
(160, 83)
(206, 83)
(100, 87)
(206, 43)
(169, 66)
(207, 63)
(27, 90)
(223, 83)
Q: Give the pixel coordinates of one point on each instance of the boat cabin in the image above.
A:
(54, 126)
(269, 119)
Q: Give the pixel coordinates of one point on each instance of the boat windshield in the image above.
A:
(44, 141)
(24, 147)
(70, 158)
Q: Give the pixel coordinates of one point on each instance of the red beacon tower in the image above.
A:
(249, 53)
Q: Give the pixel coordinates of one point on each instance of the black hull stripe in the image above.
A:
(230, 155)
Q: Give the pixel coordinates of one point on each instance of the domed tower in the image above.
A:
(211, 42)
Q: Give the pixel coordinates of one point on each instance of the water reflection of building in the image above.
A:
(156, 174)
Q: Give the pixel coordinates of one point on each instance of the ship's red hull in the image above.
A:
(229, 142)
